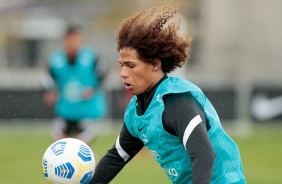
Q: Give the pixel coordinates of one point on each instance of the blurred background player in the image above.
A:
(76, 74)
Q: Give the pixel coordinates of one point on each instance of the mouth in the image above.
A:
(128, 85)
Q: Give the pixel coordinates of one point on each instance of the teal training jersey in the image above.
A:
(72, 81)
(169, 150)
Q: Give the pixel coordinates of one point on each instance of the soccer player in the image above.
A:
(77, 74)
(171, 116)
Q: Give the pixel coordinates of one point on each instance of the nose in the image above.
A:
(123, 74)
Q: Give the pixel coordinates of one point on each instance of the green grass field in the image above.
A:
(23, 145)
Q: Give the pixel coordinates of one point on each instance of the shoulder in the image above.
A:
(177, 85)
(180, 109)
(174, 85)
(56, 54)
(87, 55)
(88, 51)
(179, 100)
(57, 59)
(179, 104)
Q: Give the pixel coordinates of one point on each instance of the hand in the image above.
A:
(87, 94)
(50, 98)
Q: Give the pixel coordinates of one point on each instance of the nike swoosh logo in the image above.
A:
(139, 129)
(264, 108)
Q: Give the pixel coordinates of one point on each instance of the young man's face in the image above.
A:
(138, 76)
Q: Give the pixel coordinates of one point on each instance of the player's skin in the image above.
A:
(138, 76)
(72, 43)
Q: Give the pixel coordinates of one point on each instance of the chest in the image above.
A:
(147, 127)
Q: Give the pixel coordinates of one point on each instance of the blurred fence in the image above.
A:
(265, 104)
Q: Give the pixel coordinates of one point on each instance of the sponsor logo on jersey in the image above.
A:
(144, 138)
(159, 99)
(155, 154)
(170, 171)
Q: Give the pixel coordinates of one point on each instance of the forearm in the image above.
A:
(202, 155)
(107, 168)
(202, 167)
(122, 152)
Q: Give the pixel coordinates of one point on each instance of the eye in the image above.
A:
(131, 65)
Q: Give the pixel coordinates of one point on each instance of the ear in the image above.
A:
(157, 65)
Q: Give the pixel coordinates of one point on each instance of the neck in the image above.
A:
(145, 98)
(155, 81)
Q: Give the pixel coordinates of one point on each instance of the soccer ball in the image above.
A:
(68, 161)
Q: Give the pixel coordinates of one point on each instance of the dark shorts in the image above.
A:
(86, 129)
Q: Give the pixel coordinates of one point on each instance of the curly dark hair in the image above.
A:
(153, 34)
